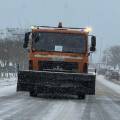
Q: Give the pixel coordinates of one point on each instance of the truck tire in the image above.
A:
(81, 96)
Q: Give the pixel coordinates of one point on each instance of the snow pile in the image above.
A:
(8, 81)
(7, 86)
(109, 84)
(7, 90)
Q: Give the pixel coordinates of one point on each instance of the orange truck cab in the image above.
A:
(58, 61)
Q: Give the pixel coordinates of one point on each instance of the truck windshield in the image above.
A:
(59, 42)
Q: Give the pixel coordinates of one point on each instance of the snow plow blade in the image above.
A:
(56, 82)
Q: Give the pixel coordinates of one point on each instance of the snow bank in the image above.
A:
(7, 90)
(8, 81)
(7, 86)
(109, 84)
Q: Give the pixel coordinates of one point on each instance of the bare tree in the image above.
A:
(112, 56)
(11, 54)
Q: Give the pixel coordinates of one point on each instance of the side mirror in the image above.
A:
(26, 40)
(93, 44)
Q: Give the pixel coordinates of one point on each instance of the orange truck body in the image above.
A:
(81, 59)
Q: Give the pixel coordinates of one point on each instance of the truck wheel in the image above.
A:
(33, 94)
(81, 96)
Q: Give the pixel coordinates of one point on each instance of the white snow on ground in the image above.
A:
(65, 111)
(109, 84)
(7, 90)
(8, 81)
(7, 86)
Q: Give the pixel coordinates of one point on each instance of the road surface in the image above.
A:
(105, 105)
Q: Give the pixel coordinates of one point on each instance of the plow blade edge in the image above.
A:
(56, 82)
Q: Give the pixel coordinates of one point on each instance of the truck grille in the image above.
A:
(58, 66)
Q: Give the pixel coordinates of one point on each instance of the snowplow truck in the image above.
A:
(58, 61)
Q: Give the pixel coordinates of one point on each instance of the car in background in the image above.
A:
(102, 71)
(112, 75)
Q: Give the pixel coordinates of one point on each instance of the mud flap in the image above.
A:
(56, 82)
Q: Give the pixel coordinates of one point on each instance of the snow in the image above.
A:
(8, 81)
(109, 84)
(7, 86)
(63, 110)
(7, 90)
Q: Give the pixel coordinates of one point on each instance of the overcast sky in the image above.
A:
(102, 15)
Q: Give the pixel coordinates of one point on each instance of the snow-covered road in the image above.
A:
(115, 87)
(105, 105)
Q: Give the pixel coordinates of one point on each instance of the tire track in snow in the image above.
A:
(66, 110)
